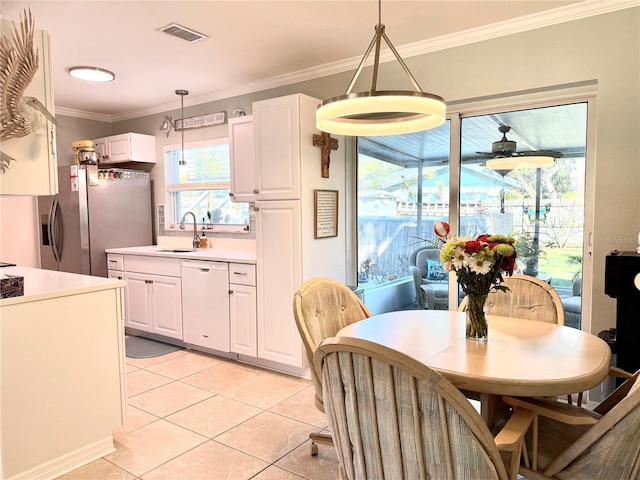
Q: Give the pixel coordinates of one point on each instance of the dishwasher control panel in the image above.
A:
(205, 265)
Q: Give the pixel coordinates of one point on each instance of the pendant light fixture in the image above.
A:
(182, 163)
(378, 113)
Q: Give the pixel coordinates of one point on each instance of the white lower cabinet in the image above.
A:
(153, 302)
(209, 304)
(116, 274)
(242, 309)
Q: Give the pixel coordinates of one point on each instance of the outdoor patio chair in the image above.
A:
(429, 279)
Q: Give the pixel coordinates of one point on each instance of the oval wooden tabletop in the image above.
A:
(520, 357)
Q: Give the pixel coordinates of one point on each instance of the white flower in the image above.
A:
(481, 267)
(460, 259)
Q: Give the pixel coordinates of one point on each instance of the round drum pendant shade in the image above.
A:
(380, 113)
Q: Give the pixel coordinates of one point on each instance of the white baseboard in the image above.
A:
(68, 462)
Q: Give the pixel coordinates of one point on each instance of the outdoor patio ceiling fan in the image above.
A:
(505, 157)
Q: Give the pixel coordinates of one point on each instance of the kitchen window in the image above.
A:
(202, 186)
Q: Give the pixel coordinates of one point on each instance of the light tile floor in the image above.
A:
(193, 416)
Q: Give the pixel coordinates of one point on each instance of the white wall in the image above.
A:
(18, 231)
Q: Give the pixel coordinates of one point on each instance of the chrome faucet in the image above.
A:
(196, 240)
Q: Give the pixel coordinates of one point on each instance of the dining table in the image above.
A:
(519, 357)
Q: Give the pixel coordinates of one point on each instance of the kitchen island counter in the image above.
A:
(62, 372)
(40, 284)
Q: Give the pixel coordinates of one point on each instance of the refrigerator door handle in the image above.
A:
(54, 230)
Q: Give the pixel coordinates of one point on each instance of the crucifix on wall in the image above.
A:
(327, 144)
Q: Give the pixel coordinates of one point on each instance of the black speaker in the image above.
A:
(620, 274)
(622, 281)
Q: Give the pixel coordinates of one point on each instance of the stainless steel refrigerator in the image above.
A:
(95, 209)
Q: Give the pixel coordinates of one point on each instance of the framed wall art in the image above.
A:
(326, 213)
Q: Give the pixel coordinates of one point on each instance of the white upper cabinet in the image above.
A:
(242, 157)
(278, 123)
(35, 169)
(126, 147)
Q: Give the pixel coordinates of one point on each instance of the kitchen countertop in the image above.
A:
(43, 284)
(224, 254)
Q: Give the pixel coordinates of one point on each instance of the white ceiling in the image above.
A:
(252, 45)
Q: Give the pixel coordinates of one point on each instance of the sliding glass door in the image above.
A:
(542, 207)
(405, 184)
(403, 190)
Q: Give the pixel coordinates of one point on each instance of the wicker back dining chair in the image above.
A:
(394, 418)
(528, 298)
(572, 443)
(321, 307)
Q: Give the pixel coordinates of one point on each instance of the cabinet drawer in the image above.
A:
(115, 261)
(154, 265)
(242, 274)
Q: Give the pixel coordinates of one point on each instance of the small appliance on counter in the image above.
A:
(11, 286)
(85, 152)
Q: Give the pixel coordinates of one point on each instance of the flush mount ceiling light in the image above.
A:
(92, 74)
(378, 113)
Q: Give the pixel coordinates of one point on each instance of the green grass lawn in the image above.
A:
(554, 264)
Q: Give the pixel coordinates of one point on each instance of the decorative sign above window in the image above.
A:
(201, 121)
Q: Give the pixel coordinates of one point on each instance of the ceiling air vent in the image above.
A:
(182, 33)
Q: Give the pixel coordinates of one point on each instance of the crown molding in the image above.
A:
(70, 112)
(568, 13)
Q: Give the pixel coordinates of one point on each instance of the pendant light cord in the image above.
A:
(182, 93)
(377, 41)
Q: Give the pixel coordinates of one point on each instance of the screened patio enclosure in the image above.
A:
(405, 186)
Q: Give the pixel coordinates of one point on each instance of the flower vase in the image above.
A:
(477, 328)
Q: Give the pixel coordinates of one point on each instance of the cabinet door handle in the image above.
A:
(256, 191)
(239, 273)
(230, 292)
(148, 281)
(52, 144)
(230, 194)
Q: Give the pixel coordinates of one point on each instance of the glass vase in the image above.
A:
(477, 328)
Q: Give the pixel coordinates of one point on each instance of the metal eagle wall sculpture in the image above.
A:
(19, 115)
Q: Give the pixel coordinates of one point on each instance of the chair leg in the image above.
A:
(322, 439)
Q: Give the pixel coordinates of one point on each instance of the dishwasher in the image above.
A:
(205, 304)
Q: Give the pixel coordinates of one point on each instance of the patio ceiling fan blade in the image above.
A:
(505, 148)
